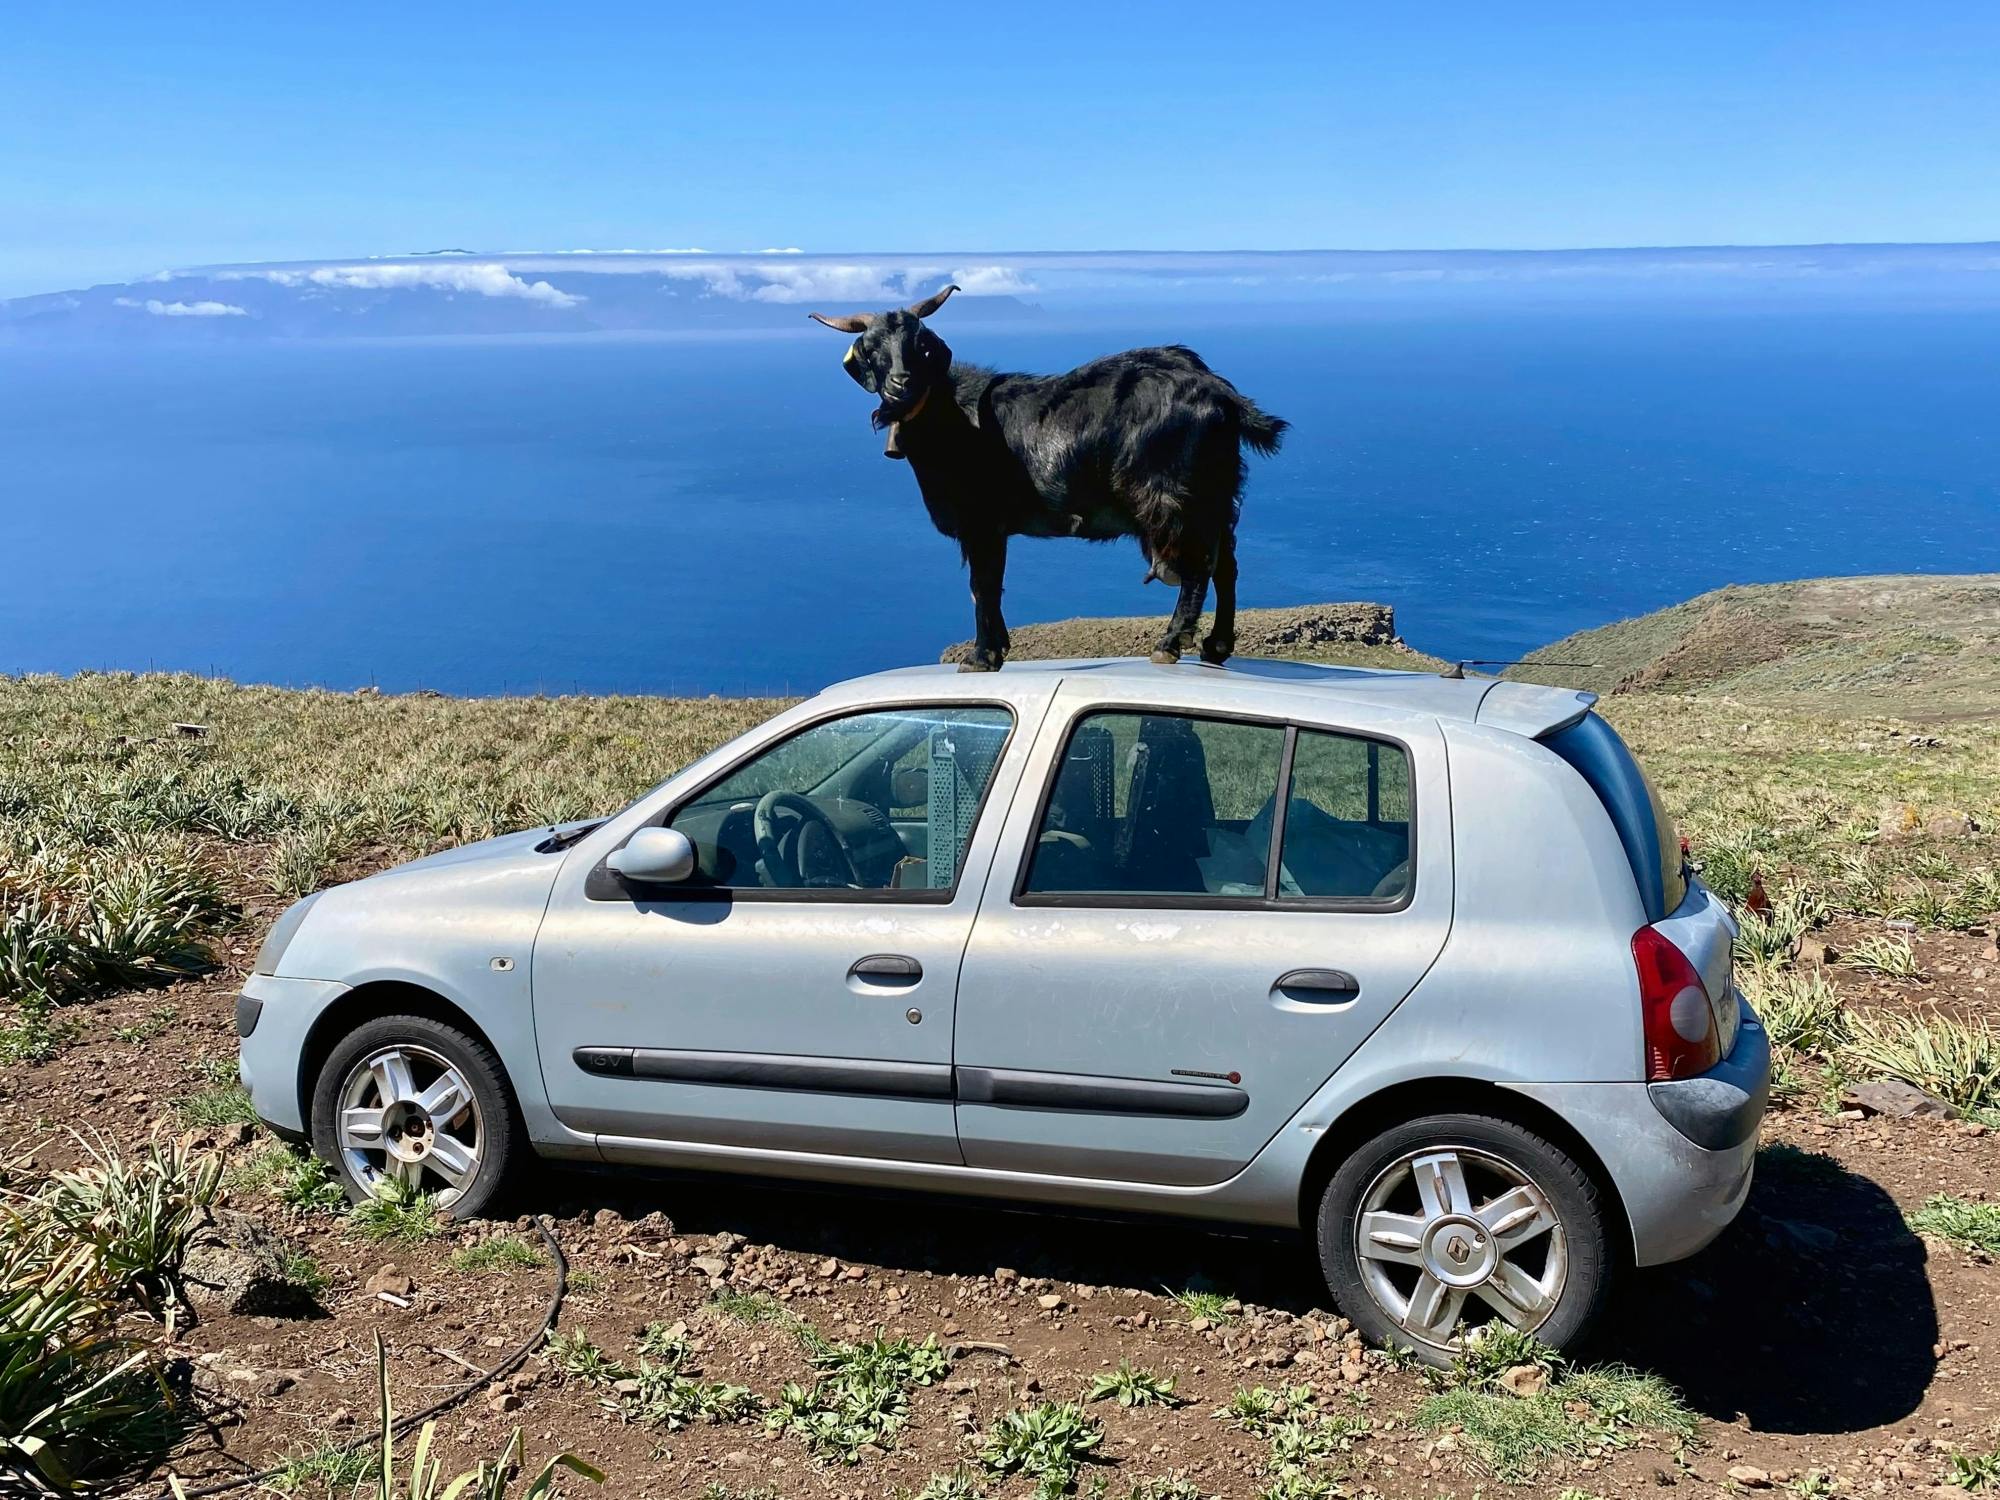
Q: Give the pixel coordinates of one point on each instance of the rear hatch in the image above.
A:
(1678, 906)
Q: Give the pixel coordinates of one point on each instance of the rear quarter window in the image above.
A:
(1652, 843)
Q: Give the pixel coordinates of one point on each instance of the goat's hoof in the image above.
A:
(1165, 658)
(1215, 656)
(978, 664)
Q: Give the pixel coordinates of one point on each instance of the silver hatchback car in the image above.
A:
(1414, 963)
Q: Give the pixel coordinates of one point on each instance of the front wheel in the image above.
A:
(1442, 1226)
(412, 1104)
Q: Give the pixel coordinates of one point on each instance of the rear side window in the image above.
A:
(1652, 843)
(1159, 805)
(1176, 806)
(1347, 822)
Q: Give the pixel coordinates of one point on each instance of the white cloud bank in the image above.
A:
(161, 309)
(848, 283)
(486, 279)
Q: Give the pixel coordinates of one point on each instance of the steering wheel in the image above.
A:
(792, 872)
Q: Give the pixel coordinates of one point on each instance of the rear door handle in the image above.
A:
(887, 968)
(1319, 986)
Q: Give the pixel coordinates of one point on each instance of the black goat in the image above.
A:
(1147, 443)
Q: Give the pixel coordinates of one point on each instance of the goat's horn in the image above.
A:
(930, 305)
(851, 323)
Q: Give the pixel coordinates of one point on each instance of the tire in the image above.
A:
(1434, 1273)
(483, 1124)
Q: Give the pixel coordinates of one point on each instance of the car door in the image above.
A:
(1143, 998)
(807, 1012)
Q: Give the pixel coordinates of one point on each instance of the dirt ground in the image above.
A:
(1820, 1340)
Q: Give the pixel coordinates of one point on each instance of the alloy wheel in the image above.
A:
(1451, 1237)
(408, 1116)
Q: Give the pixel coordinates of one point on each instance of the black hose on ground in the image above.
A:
(403, 1425)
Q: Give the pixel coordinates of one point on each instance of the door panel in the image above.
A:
(1165, 1038)
(806, 1009)
(736, 1024)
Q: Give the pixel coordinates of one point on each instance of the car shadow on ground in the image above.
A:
(1812, 1314)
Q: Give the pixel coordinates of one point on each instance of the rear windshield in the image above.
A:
(1652, 844)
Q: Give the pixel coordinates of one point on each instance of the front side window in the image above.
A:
(1159, 805)
(881, 801)
(1177, 806)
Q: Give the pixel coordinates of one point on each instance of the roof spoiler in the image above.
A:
(1526, 708)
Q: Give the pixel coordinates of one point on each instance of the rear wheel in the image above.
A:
(412, 1103)
(1442, 1226)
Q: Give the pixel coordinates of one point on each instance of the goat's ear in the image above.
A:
(930, 305)
(852, 324)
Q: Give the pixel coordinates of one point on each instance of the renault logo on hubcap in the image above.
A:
(1458, 1250)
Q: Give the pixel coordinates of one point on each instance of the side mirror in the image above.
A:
(655, 856)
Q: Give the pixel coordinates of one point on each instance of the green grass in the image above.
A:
(1048, 1443)
(661, 1388)
(82, 1253)
(1580, 1413)
(1970, 1226)
(1974, 1471)
(961, 1483)
(503, 1252)
(329, 1468)
(223, 1100)
(1885, 955)
(750, 1307)
(155, 1021)
(397, 1215)
(1957, 1061)
(1132, 1387)
(860, 1397)
(1216, 1307)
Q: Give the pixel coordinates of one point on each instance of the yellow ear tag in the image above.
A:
(848, 357)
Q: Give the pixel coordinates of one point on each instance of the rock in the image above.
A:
(1005, 1274)
(1951, 825)
(1892, 1096)
(710, 1265)
(1814, 951)
(390, 1280)
(503, 1401)
(1048, 1302)
(1749, 1477)
(1525, 1380)
(236, 1265)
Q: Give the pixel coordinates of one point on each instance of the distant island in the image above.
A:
(455, 291)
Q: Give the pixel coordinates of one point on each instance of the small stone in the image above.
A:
(1048, 1302)
(1750, 1477)
(503, 1401)
(390, 1279)
(1005, 1274)
(710, 1265)
(1525, 1380)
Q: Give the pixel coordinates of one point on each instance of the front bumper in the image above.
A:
(1678, 1193)
(280, 1014)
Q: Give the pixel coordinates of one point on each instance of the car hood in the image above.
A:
(524, 846)
(441, 922)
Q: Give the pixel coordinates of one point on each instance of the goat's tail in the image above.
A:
(1262, 431)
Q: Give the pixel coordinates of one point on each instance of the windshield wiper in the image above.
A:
(558, 840)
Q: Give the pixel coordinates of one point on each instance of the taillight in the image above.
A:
(1679, 1023)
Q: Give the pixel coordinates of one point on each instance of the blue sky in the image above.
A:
(136, 137)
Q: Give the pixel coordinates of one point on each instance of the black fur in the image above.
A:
(1147, 444)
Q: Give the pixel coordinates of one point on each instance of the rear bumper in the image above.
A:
(1678, 1193)
(280, 1013)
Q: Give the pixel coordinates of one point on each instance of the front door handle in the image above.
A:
(1319, 986)
(887, 968)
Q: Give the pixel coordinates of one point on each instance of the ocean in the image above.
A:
(711, 513)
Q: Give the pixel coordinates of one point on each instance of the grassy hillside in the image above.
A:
(1896, 643)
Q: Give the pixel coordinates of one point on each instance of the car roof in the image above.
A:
(1518, 707)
